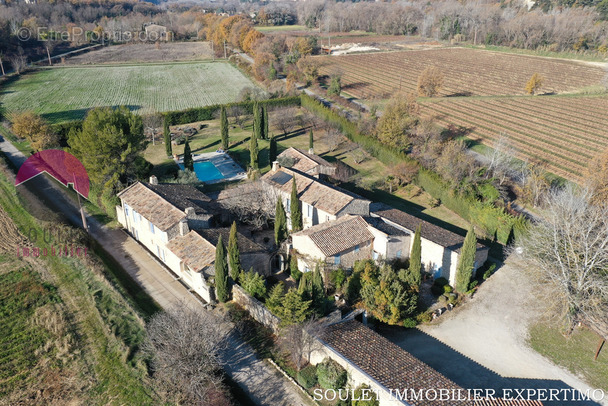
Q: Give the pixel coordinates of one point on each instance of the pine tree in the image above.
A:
(275, 297)
(295, 208)
(280, 222)
(294, 309)
(415, 262)
(265, 121)
(167, 137)
(272, 150)
(253, 151)
(234, 256)
(221, 272)
(224, 128)
(310, 140)
(466, 262)
(188, 161)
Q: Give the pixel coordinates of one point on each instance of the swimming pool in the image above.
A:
(205, 171)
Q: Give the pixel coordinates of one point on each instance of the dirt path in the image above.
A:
(484, 343)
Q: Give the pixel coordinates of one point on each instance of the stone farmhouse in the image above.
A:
(440, 247)
(321, 202)
(174, 222)
(308, 163)
(334, 243)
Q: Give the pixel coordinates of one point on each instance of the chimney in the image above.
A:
(153, 180)
(311, 151)
(189, 212)
(276, 166)
(183, 227)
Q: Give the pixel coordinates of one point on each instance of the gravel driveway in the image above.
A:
(483, 344)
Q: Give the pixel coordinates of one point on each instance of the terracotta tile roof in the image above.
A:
(184, 196)
(193, 250)
(245, 244)
(316, 193)
(507, 402)
(339, 235)
(428, 231)
(305, 162)
(383, 226)
(164, 204)
(385, 362)
(152, 206)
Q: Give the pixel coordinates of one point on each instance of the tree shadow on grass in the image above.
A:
(79, 114)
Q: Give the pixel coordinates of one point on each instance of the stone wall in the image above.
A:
(256, 309)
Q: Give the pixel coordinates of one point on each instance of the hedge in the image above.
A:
(206, 113)
(493, 220)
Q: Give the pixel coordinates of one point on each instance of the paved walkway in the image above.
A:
(260, 380)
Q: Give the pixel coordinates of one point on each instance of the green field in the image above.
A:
(63, 94)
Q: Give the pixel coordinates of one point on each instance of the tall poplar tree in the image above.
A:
(295, 208)
(221, 272)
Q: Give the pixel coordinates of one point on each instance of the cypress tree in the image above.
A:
(466, 262)
(224, 128)
(265, 121)
(280, 222)
(319, 300)
(296, 210)
(234, 256)
(258, 121)
(416, 261)
(272, 150)
(167, 136)
(253, 151)
(188, 161)
(310, 139)
(221, 272)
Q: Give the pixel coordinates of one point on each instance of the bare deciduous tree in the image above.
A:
(285, 119)
(19, 62)
(251, 203)
(239, 114)
(184, 345)
(333, 138)
(152, 125)
(298, 340)
(568, 248)
(500, 159)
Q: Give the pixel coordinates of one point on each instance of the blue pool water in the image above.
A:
(205, 171)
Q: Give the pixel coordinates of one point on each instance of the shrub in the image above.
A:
(447, 289)
(473, 284)
(180, 140)
(331, 375)
(410, 323)
(307, 377)
(337, 277)
(491, 269)
(424, 318)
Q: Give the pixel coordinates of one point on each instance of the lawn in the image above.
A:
(63, 94)
(574, 353)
